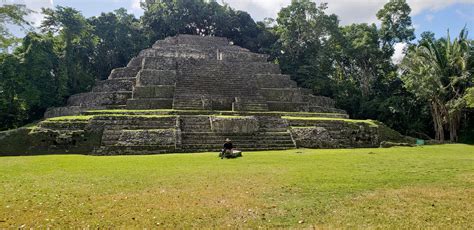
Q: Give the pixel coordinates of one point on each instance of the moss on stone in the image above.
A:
(230, 116)
(369, 122)
(71, 118)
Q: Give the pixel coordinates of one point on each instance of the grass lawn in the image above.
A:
(422, 187)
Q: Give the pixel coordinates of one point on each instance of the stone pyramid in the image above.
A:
(188, 94)
(189, 72)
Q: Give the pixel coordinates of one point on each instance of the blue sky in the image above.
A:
(433, 15)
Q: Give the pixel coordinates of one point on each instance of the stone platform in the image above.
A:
(119, 132)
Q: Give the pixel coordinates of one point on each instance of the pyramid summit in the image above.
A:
(188, 94)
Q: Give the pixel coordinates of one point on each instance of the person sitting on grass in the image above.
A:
(228, 150)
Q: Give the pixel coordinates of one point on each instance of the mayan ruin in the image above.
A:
(187, 94)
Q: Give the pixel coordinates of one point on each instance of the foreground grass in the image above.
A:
(421, 187)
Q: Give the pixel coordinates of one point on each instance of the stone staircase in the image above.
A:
(197, 135)
(154, 89)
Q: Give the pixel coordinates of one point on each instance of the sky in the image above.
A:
(428, 15)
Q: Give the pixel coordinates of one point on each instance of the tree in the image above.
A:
(41, 69)
(396, 24)
(361, 58)
(13, 107)
(78, 46)
(120, 38)
(163, 18)
(439, 72)
(307, 38)
(12, 14)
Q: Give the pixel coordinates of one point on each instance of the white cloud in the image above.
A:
(399, 54)
(429, 17)
(349, 11)
(34, 5)
(136, 4)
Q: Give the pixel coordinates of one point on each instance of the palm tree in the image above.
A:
(440, 71)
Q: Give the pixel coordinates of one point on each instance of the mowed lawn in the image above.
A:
(421, 187)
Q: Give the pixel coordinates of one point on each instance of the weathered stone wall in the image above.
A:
(247, 125)
(99, 99)
(336, 135)
(63, 111)
(156, 77)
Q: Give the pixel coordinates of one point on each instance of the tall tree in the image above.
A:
(13, 107)
(120, 37)
(11, 14)
(79, 44)
(440, 72)
(396, 24)
(41, 69)
(163, 18)
(307, 38)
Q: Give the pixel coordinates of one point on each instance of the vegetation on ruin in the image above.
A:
(71, 118)
(421, 187)
(369, 122)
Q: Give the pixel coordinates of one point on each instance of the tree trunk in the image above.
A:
(437, 121)
(454, 125)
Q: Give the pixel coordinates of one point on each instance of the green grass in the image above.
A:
(86, 118)
(410, 188)
(71, 118)
(369, 122)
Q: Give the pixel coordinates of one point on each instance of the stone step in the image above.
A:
(126, 72)
(217, 150)
(155, 91)
(58, 125)
(114, 85)
(196, 127)
(240, 143)
(262, 134)
(150, 103)
(240, 147)
(134, 150)
(98, 99)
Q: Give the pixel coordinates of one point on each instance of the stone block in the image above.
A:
(143, 92)
(63, 111)
(286, 106)
(135, 62)
(245, 125)
(147, 137)
(113, 85)
(150, 103)
(162, 91)
(282, 94)
(126, 72)
(98, 99)
(274, 81)
(159, 63)
(319, 101)
(156, 77)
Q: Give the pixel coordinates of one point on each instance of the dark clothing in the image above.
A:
(228, 146)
